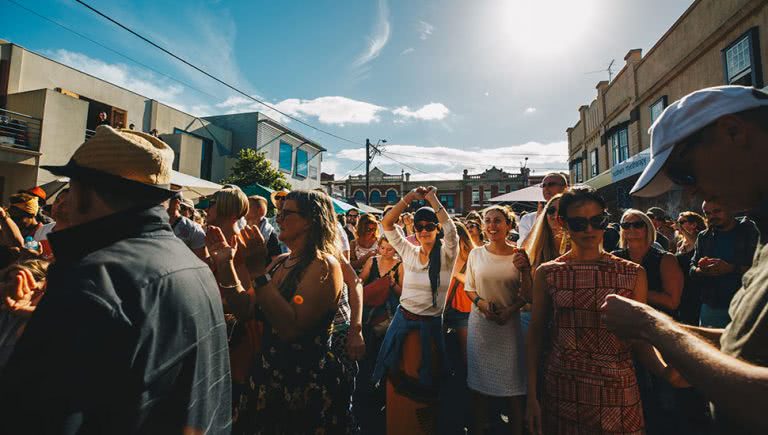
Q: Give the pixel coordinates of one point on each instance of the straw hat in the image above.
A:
(132, 161)
(277, 192)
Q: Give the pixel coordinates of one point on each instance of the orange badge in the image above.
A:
(298, 299)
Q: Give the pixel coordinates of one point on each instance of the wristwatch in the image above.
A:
(262, 280)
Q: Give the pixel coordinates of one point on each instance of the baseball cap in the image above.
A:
(657, 213)
(685, 117)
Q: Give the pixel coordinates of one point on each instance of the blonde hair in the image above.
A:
(230, 202)
(38, 268)
(365, 220)
(650, 233)
(540, 245)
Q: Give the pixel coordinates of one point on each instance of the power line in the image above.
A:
(480, 163)
(209, 75)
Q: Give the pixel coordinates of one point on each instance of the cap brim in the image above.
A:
(124, 185)
(653, 181)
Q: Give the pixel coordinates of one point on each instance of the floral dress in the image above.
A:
(297, 387)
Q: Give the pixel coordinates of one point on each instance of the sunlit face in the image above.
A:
(496, 226)
(551, 186)
(367, 232)
(474, 229)
(386, 250)
(633, 233)
(426, 231)
(256, 211)
(551, 212)
(716, 214)
(293, 225)
(591, 237)
(688, 225)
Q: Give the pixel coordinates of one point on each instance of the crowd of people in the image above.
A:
(128, 308)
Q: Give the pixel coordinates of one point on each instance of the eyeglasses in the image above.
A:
(579, 224)
(280, 198)
(636, 225)
(551, 210)
(282, 214)
(552, 184)
(421, 227)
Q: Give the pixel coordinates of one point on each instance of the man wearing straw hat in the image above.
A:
(130, 337)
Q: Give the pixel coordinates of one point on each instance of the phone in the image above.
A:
(492, 306)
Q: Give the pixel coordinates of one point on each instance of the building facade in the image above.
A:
(471, 192)
(714, 42)
(48, 109)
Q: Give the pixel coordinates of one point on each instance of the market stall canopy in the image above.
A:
(341, 207)
(527, 194)
(258, 189)
(368, 209)
(193, 187)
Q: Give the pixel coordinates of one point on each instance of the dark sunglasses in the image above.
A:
(552, 184)
(687, 220)
(473, 226)
(636, 225)
(429, 227)
(579, 224)
(551, 210)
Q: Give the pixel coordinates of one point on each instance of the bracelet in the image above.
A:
(229, 287)
(477, 298)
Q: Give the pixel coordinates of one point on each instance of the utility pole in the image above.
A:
(371, 151)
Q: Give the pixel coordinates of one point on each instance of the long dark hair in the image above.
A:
(433, 269)
(578, 194)
(316, 207)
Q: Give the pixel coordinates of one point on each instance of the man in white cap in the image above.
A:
(715, 143)
(130, 337)
(552, 184)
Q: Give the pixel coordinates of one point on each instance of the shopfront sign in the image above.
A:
(631, 166)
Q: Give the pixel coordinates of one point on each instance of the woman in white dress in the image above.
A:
(495, 360)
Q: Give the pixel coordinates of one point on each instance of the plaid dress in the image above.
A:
(590, 385)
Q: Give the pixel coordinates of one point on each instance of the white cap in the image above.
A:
(685, 117)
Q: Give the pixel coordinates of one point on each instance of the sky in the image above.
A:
(449, 84)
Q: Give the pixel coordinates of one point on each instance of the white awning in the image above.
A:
(527, 194)
(193, 187)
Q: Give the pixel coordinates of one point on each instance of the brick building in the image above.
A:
(470, 192)
(713, 43)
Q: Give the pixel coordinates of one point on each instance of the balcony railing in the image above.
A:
(19, 130)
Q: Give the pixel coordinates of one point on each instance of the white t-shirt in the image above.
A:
(417, 292)
(493, 277)
(42, 232)
(190, 232)
(343, 242)
(525, 226)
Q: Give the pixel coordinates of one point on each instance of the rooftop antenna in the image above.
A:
(609, 70)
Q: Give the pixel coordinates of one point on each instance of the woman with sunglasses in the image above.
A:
(589, 378)
(365, 245)
(413, 346)
(689, 225)
(475, 228)
(297, 384)
(665, 278)
(495, 360)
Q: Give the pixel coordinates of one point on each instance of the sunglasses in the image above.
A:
(579, 224)
(551, 210)
(473, 226)
(628, 225)
(421, 227)
(552, 184)
(683, 221)
(280, 198)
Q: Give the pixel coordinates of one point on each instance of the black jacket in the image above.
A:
(129, 338)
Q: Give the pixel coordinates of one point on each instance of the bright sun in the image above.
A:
(544, 27)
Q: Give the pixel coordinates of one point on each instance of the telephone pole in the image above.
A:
(371, 151)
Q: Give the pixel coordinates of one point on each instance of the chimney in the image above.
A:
(407, 177)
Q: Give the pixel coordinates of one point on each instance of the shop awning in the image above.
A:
(258, 189)
(527, 194)
(368, 209)
(341, 207)
(193, 187)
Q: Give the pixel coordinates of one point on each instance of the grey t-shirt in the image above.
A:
(189, 232)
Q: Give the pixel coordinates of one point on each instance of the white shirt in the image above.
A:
(42, 232)
(493, 277)
(343, 242)
(417, 292)
(525, 226)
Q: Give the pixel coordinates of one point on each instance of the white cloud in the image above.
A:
(333, 110)
(487, 93)
(530, 110)
(429, 112)
(134, 79)
(379, 39)
(407, 51)
(425, 30)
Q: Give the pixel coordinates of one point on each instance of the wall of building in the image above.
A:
(14, 178)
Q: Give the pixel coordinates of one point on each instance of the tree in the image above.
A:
(253, 167)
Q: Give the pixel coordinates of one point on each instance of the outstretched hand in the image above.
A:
(23, 293)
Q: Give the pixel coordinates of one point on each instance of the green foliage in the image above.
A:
(254, 167)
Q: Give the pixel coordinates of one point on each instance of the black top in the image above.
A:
(129, 338)
(652, 265)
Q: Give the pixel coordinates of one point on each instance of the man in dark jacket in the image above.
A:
(130, 335)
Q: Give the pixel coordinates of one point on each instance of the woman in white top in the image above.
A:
(366, 244)
(495, 360)
(412, 348)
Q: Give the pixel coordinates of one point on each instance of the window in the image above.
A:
(594, 168)
(741, 61)
(313, 172)
(509, 188)
(375, 196)
(447, 201)
(486, 195)
(620, 146)
(577, 171)
(286, 157)
(391, 196)
(475, 197)
(302, 169)
(359, 196)
(657, 108)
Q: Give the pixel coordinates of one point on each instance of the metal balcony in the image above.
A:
(19, 130)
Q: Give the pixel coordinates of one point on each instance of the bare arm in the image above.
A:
(366, 272)
(389, 221)
(10, 231)
(671, 283)
(711, 335)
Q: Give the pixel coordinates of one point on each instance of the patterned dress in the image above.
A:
(590, 385)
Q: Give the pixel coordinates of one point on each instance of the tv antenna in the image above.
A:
(609, 70)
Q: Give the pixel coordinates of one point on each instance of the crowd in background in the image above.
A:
(218, 318)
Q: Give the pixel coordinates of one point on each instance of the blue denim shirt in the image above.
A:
(392, 346)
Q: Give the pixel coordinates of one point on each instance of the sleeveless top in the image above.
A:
(652, 265)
